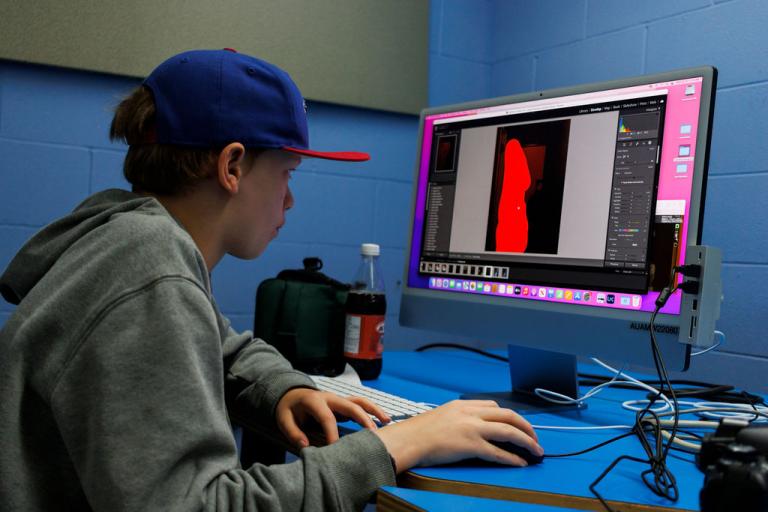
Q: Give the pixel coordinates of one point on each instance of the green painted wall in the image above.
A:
(365, 53)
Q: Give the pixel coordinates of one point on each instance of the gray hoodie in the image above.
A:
(112, 374)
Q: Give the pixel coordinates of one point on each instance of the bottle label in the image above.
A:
(363, 337)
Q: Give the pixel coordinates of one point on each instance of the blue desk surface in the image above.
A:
(397, 498)
(440, 376)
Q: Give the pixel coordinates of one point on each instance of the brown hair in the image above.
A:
(161, 169)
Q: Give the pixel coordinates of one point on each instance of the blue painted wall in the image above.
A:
(499, 47)
(54, 152)
(54, 149)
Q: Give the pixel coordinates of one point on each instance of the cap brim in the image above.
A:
(344, 156)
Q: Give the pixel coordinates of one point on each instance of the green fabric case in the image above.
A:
(301, 313)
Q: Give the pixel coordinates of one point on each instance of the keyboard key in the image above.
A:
(396, 407)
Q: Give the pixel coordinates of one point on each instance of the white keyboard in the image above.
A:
(396, 407)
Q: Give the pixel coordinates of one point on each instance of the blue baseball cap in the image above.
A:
(210, 98)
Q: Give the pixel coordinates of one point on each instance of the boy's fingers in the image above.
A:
(292, 431)
(370, 408)
(508, 416)
(495, 454)
(507, 433)
(354, 412)
(324, 416)
(475, 403)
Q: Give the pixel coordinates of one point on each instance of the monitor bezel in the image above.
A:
(413, 297)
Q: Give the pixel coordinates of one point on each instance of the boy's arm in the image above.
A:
(140, 407)
(257, 372)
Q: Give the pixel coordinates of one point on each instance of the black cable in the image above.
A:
(664, 483)
(711, 392)
(659, 362)
(683, 382)
(754, 408)
(593, 485)
(599, 379)
(714, 392)
(595, 447)
(462, 347)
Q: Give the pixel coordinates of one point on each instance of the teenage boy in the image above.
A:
(113, 365)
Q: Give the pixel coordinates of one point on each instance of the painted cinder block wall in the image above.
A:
(54, 149)
(490, 48)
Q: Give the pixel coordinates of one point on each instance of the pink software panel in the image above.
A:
(674, 191)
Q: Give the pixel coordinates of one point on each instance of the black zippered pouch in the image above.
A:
(301, 313)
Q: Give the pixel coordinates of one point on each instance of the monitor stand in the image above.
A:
(529, 369)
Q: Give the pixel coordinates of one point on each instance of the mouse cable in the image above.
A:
(586, 450)
(677, 442)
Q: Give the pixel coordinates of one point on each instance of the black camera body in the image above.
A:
(734, 461)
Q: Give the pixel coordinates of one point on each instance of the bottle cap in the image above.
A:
(369, 249)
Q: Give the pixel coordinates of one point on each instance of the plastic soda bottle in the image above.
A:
(366, 308)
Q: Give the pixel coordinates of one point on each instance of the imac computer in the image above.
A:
(550, 221)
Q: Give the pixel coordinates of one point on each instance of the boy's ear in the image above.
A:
(230, 167)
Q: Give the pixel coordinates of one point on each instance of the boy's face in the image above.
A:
(261, 203)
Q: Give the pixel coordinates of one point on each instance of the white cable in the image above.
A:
(626, 376)
(745, 414)
(548, 395)
(686, 436)
(682, 423)
(680, 442)
(686, 423)
(680, 439)
(618, 377)
(713, 410)
(727, 409)
(718, 410)
(721, 341)
(689, 403)
(562, 427)
(631, 380)
(589, 394)
(641, 404)
(558, 398)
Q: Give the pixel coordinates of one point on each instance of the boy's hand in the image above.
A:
(299, 404)
(459, 430)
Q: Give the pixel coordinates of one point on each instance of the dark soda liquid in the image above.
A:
(374, 304)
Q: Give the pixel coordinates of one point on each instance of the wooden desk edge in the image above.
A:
(423, 483)
(414, 481)
(386, 502)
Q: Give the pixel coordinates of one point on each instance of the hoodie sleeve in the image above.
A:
(257, 372)
(140, 407)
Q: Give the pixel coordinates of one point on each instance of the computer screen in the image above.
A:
(553, 219)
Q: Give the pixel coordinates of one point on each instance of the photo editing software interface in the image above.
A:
(580, 199)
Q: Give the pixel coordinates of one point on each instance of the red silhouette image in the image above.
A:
(526, 197)
(512, 227)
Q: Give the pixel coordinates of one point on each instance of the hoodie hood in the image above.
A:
(40, 253)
